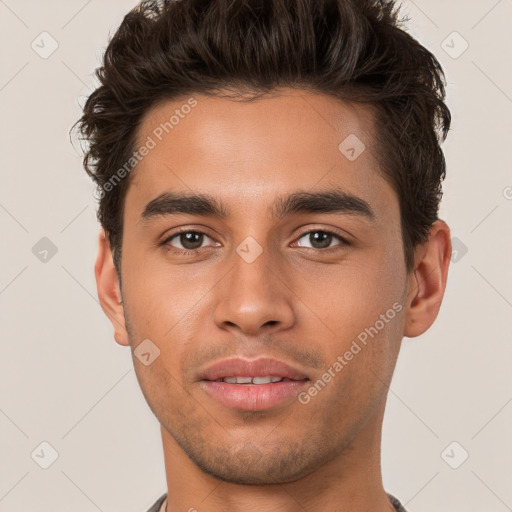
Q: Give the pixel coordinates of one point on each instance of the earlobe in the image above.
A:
(427, 282)
(109, 290)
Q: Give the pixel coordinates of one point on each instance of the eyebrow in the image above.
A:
(328, 201)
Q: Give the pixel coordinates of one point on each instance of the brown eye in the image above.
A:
(189, 240)
(320, 239)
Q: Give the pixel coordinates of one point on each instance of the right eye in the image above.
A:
(188, 240)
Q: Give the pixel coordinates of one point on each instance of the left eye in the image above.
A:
(321, 239)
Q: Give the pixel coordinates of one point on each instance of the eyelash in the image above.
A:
(192, 252)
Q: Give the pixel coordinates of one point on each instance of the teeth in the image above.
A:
(262, 380)
(252, 380)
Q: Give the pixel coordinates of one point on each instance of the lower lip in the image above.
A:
(253, 397)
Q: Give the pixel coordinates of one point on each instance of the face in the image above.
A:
(309, 280)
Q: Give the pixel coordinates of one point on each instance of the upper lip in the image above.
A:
(261, 367)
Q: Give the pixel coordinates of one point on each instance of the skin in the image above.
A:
(297, 302)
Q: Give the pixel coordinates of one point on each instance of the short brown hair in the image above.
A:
(354, 50)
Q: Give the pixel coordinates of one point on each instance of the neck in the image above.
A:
(350, 481)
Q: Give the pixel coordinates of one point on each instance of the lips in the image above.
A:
(253, 385)
(258, 368)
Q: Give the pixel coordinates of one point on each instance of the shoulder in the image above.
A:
(158, 504)
(399, 507)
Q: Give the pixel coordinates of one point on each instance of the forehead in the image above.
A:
(247, 152)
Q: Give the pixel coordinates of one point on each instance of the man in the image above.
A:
(269, 175)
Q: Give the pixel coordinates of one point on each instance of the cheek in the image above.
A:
(161, 386)
(342, 300)
(162, 298)
(359, 315)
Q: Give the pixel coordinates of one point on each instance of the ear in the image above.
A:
(109, 289)
(427, 282)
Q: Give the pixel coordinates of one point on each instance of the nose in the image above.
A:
(254, 298)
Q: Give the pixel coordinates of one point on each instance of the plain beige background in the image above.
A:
(66, 383)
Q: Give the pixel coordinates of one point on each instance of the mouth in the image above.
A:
(255, 385)
(270, 379)
(259, 371)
